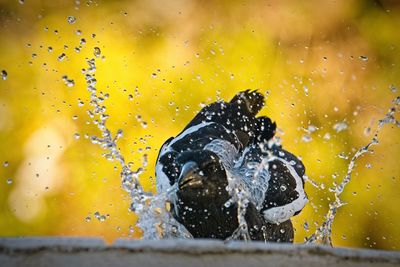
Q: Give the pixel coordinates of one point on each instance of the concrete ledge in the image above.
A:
(93, 252)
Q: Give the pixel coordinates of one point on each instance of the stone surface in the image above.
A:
(93, 252)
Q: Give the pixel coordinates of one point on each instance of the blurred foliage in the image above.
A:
(320, 62)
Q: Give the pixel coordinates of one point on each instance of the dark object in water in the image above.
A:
(224, 139)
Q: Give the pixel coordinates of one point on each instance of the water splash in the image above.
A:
(154, 214)
(154, 217)
(4, 75)
(323, 234)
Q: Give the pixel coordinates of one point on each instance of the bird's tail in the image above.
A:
(252, 100)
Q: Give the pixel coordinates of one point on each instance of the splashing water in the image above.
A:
(323, 234)
(154, 217)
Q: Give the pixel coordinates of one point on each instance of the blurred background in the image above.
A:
(330, 70)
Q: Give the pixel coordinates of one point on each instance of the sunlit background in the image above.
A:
(330, 70)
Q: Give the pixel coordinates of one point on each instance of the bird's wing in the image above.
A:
(285, 196)
(278, 151)
(274, 182)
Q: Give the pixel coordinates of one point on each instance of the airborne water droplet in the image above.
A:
(143, 124)
(393, 88)
(305, 87)
(4, 75)
(367, 131)
(306, 226)
(340, 126)
(306, 138)
(327, 136)
(97, 52)
(61, 57)
(71, 19)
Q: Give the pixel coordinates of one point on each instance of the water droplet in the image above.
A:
(21, 2)
(282, 230)
(5, 164)
(88, 219)
(340, 126)
(367, 131)
(368, 165)
(61, 57)
(71, 19)
(392, 88)
(283, 188)
(305, 87)
(306, 138)
(143, 124)
(68, 82)
(97, 52)
(154, 75)
(327, 136)
(4, 75)
(77, 136)
(363, 58)
(9, 181)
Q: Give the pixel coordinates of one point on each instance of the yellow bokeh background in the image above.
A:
(320, 62)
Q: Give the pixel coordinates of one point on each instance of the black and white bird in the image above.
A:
(224, 142)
